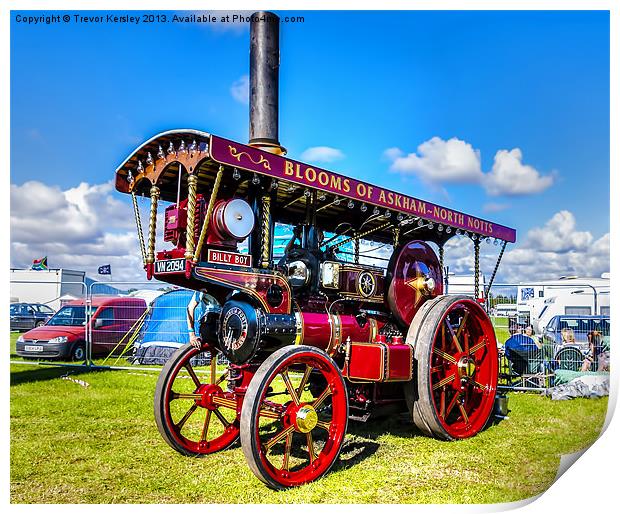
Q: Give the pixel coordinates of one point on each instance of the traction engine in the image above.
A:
(302, 335)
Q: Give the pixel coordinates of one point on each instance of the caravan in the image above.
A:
(573, 296)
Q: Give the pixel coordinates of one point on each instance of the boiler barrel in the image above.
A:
(327, 331)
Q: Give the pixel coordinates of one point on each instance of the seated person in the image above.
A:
(568, 336)
(595, 349)
(198, 307)
(529, 332)
(519, 348)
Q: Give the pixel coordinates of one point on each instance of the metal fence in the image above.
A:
(547, 332)
(118, 324)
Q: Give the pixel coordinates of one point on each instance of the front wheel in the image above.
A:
(289, 434)
(78, 352)
(453, 394)
(195, 415)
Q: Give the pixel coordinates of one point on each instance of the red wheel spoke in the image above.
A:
(480, 386)
(324, 425)
(452, 403)
(222, 378)
(184, 396)
(304, 380)
(205, 427)
(444, 381)
(213, 368)
(186, 416)
(219, 416)
(462, 325)
(278, 437)
(455, 339)
(464, 414)
(319, 401)
(477, 346)
(267, 413)
(287, 451)
(310, 447)
(225, 402)
(444, 355)
(192, 374)
(289, 386)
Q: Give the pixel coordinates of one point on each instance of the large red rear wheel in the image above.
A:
(294, 417)
(453, 394)
(194, 412)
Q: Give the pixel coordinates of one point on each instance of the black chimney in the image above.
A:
(264, 77)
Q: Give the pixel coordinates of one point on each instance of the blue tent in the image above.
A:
(164, 328)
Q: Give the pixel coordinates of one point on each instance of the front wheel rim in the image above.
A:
(299, 437)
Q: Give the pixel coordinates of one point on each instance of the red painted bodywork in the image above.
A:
(379, 362)
(415, 260)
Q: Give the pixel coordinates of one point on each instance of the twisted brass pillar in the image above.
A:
(150, 256)
(192, 182)
(265, 231)
(477, 268)
(136, 212)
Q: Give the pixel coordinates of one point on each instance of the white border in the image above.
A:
(587, 486)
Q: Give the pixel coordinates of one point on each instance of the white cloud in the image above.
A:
(439, 161)
(322, 154)
(80, 228)
(546, 252)
(391, 154)
(509, 176)
(559, 235)
(240, 90)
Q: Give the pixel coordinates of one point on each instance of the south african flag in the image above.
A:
(39, 264)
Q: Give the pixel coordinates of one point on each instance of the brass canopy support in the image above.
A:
(136, 212)
(192, 182)
(150, 256)
(477, 268)
(265, 230)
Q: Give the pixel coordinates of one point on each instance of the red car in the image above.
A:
(64, 335)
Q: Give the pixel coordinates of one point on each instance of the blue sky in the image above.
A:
(83, 96)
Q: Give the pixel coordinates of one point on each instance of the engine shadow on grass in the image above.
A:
(47, 373)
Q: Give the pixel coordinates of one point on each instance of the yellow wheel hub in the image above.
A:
(306, 419)
(466, 367)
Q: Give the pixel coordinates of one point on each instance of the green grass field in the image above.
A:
(71, 444)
